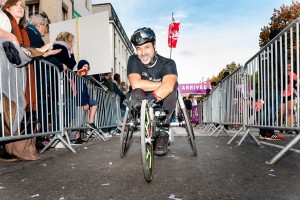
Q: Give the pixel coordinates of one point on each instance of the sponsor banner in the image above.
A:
(193, 88)
(195, 118)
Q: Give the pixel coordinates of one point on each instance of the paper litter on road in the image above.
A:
(35, 195)
(172, 196)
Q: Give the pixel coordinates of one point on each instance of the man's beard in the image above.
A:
(145, 59)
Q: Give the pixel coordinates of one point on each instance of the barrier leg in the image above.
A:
(229, 142)
(284, 150)
(252, 136)
(215, 130)
(59, 138)
(224, 129)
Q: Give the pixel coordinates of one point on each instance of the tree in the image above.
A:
(279, 20)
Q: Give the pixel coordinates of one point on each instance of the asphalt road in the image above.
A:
(96, 171)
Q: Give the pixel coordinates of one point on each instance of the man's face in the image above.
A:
(145, 52)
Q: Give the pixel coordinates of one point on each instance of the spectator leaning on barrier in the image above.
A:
(213, 85)
(118, 91)
(83, 98)
(14, 9)
(124, 87)
(207, 92)
(36, 29)
(108, 82)
(64, 41)
(289, 99)
(273, 86)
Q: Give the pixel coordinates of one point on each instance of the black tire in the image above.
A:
(190, 131)
(126, 135)
(146, 141)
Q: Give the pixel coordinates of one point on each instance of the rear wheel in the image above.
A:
(146, 141)
(190, 131)
(126, 134)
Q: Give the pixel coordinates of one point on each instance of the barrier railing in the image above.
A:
(39, 92)
(263, 93)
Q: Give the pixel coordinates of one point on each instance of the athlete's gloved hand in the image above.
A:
(150, 97)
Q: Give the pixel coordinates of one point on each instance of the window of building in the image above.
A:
(88, 4)
(115, 42)
(64, 15)
(119, 47)
(31, 9)
(64, 12)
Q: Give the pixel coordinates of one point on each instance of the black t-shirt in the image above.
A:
(164, 66)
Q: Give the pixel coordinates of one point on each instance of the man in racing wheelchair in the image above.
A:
(154, 78)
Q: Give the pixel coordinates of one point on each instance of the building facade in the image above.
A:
(119, 47)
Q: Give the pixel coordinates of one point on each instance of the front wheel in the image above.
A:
(190, 131)
(126, 134)
(146, 141)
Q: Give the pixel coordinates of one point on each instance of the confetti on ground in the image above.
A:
(272, 175)
(1, 188)
(36, 195)
(105, 184)
(44, 165)
(172, 196)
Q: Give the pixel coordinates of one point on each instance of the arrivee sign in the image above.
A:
(193, 88)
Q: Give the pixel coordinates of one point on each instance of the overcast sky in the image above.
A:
(213, 33)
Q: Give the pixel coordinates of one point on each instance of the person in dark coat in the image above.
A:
(64, 41)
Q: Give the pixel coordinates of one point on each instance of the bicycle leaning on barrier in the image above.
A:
(153, 79)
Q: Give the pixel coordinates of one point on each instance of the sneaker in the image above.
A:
(162, 140)
(107, 135)
(92, 126)
(269, 136)
(118, 132)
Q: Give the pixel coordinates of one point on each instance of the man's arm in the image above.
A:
(136, 81)
(166, 87)
(161, 89)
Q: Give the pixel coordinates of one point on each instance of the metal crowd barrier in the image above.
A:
(54, 99)
(263, 94)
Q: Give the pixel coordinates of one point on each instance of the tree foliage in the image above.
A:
(229, 68)
(281, 18)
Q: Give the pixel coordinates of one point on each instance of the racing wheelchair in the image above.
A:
(149, 120)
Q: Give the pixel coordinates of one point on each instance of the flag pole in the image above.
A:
(171, 36)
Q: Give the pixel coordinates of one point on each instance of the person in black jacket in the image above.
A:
(64, 41)
(188, 104)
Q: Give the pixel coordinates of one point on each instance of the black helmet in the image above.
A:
(142, 36)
